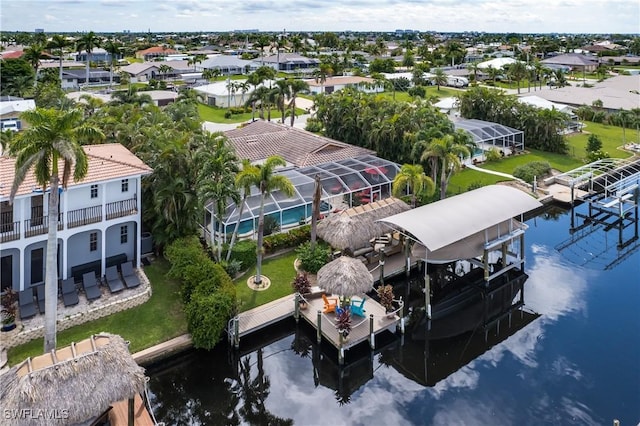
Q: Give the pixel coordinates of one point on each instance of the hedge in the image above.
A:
(526, 172)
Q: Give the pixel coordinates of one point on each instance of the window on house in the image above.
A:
(125, 185)
(123, 234)
(93, 241)
(94, 191)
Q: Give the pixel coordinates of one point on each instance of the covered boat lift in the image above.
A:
(470, 226)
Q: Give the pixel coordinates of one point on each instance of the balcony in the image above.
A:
(40, 225)
(9, 231)
(84, 216)
(122, 208)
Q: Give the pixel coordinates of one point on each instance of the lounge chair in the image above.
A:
(69, 292)
(129, 276)
(357, 307)
(330, 304)
(90, 285)
(26, 304)
(113, 279)
(40, 297)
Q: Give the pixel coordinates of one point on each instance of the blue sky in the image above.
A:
(521, 16)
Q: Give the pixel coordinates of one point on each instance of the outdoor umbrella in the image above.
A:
(345, 276)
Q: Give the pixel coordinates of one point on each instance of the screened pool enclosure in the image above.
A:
(488, 135)
(344, 184)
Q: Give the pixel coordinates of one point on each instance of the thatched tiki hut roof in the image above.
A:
(355, 227)
(73, 384)
(345, 276)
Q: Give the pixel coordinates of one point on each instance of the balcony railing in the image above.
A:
(9, 231)
(40, 225)
(122, 208)
(84, 216)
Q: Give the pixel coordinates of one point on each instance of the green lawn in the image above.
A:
(279, 270)
(216, 115)
(611, 137)
(159, 319)
(431, 92)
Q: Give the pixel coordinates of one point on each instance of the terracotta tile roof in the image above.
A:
(14, 54)
(261, 139)
(156, 49)
(106, 162)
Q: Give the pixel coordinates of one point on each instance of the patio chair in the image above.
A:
(40, 297)
(90, 285)
(26, 304)
(357, 307)
(330, 304)
(113, 280)
(129, 276)
(69, 292)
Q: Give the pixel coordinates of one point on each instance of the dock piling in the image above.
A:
(319, 329)
(372, 336)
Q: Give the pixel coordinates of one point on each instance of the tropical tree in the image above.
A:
(448, 153)
(34, 54)
(52, 140)
(473, 68)
(164, 69)
(296, 86)
(518, 71)
(440, 78)
(323, 72)
(113, 49)
(281, 92)
(412, 180)
(217, 167)
(264, 178)
(211, 73)
(88, 42)
(59, 42)
(243, 185)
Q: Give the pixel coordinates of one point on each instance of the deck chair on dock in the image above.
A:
(357, 307)
(330, 303)
(26, 304)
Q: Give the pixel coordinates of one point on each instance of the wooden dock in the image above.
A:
(265, 315)
(119, 414)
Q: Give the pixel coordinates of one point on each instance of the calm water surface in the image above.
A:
(575, 361)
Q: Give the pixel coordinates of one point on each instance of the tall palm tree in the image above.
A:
(281, 93)
(296, 86)
(52, 140)
(164, 69)
(517, 71)
(448, 152)
(59, 42)
(440, 78)
(263, 177)
(88, 42)
(323, 72)
(34, 54)
(412, 179)
(243, 185)
(113, 49)
(217, 167)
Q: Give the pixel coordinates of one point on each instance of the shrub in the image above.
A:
(293, 238)
(596, 155)
(232, 267)
(301, 283)
(271, 225)
(417, 91)
(313, 125)
(526, 172)
(593, 143)
(244, 252)
(493, 155)
(227, 114)
(208, 313)
(475, 185)
(311, 260)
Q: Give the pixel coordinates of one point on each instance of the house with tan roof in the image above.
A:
(154, 52)
(333, 84)
(99, 222)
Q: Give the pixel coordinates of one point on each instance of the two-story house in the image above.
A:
(99, 223)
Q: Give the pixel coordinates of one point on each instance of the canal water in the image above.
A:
(572, 356)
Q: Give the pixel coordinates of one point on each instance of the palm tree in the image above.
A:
(33, 54)
(263, 177)
(52, 140)
(412, 179)
(440, 78)
(217, 167)
(59, 42)
(113, 49)
(281, 93)
(243, 185)
(448, 152)
(296, 86)
(473, 67)
(211, 73)
(88, 42)
(518, 71)
(164, 69)
(243, 86)
(323, 72)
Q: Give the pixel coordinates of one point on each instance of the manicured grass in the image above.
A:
(611, 137)
(159, 319)
(461, 181)
(430, 92)
(216, 115)
(279, 270)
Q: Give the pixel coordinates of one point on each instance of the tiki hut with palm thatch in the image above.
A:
(353, 228)
(345, 276)
(72, 385)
